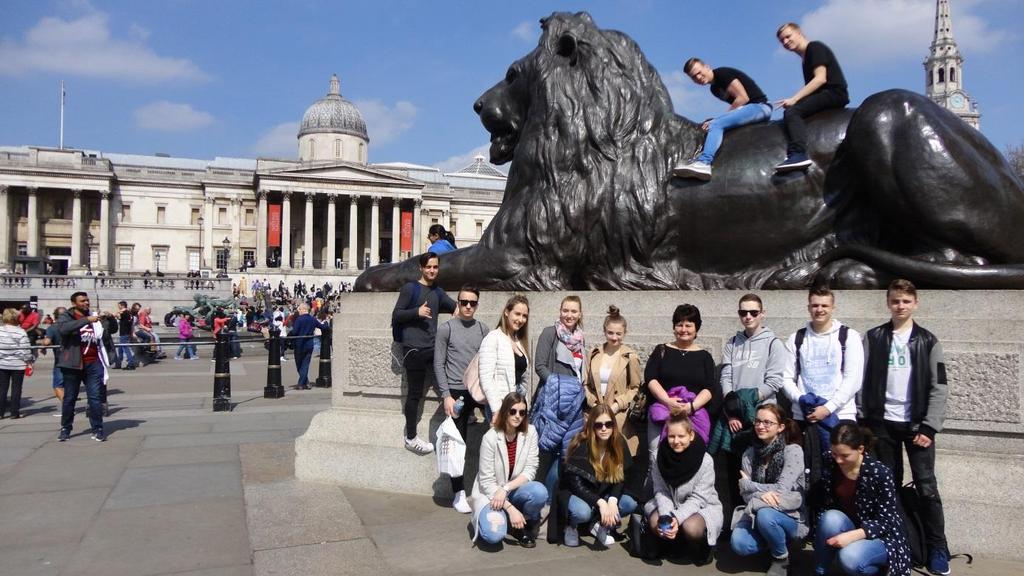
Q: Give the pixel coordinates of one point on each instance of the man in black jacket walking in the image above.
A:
(903, 401)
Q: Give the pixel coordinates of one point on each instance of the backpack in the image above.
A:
(910, 507)
(396, 328)
(471, 377)
(798, 341)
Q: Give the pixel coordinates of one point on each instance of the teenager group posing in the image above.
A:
(602, 441)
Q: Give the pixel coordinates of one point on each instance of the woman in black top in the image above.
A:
(681, 363)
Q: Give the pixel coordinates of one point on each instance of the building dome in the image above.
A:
(332, 114)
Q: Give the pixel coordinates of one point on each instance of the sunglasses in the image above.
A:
(753, 313)
(609, 425)
(469, 303)
(515, 412)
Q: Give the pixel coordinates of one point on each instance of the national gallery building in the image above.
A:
(74, 211)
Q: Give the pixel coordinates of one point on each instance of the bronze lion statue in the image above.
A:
(899, 187)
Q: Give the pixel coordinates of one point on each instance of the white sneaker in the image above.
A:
(572, 537)
(460, 503)
(694, 169)
(418, 446)
(601, 535)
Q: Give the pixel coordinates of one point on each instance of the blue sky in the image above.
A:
(200, 78)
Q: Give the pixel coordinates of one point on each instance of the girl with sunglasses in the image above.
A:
(505, 492)
(685, 514)
(772, 485)
(503, 358)
(595, 474)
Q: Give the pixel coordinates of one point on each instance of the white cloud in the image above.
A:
(166, 116)
(84, 47)
(460, 161)
(281, 141)
(527, 31)
(386, 123)
(878, 32)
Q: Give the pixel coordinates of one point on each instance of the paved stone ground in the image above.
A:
(180, 490)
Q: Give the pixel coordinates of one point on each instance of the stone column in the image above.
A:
(33, 223)
(286, 230)
(76, 230)
(307, 242)
(353, 238)
(396, 229)
(375, 232)
(331, 238)
(236, 232)
(104, 254)
(5, 230)
(261, 230)
(208, 258)
(417, 227)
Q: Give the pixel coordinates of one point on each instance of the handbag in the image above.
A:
(450, 448)
(636, 412)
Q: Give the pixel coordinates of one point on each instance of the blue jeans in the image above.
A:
(772, 530)
(302, 357)
(92, 376)
(863, 557)
(580, 512)
(746, 114)
(528, 499)
(185, 348)
(125, 351)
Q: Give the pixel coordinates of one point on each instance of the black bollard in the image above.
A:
(221, 374)
(274, 389)
(323, 379)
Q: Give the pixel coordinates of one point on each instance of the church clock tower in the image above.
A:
(944, 79)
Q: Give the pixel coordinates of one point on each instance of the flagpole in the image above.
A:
(61, 114)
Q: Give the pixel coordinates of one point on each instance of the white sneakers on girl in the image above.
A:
(460, 503)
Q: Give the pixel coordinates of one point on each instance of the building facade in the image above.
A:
(75, 211)
(944, 70)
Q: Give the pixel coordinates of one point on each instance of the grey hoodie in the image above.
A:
(755, 362)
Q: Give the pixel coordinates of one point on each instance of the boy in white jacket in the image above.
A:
(822, 369)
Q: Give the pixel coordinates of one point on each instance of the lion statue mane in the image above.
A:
(899, 187)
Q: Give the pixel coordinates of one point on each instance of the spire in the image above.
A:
(335, 86)
(944, 71)
(943, 24)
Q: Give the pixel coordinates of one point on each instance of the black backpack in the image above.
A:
(396, 328)
(910, 508)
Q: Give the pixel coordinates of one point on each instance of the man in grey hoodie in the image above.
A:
(752, 359)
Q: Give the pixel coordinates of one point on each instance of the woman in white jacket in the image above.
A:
(503, 355)
(15, 355)
(505, 491)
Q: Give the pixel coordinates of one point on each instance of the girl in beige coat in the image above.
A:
(614, 377)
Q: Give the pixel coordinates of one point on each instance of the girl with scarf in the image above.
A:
(595, 474)
(685, 513)
(561, 350)
(772, 486)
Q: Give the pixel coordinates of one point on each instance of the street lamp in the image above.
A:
(88, 260)
(202, 245)
(227, 252)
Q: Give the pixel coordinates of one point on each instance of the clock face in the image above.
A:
(957, 101)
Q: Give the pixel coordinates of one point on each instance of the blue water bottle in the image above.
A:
(459, 405)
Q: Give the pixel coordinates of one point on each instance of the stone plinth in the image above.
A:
(358, 442)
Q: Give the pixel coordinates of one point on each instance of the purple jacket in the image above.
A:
(658, 412)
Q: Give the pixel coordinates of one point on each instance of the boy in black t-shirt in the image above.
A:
(824, 88)
(747, 105)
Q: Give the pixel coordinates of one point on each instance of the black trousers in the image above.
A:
(796, 128)
(892, 439)
(417, 362)
(11, 379)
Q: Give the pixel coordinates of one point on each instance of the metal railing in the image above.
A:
(13, 281)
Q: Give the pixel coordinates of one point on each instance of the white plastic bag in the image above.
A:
(450, 449)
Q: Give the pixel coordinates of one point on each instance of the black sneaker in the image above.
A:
(794, 161)
(706, 556)
(98, 435)
(64, 435)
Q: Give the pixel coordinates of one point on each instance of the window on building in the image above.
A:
(23, 207)
(222, 258)
(250, 217)
(942, 75)
(22, 249)
(222, 216)
(952, 74)
(433, 221)
(94, 210)
(193, 218)
(193, 259)
(362, 152)
(312, 149)
(124, 257)
(126, 212)
(454, 227)
(58, 208)
(479, 228)
(161, 214)
(160, 257)
(928, 77)
(337, 148)
(249, 255)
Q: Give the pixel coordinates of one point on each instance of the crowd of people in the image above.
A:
(809, 430)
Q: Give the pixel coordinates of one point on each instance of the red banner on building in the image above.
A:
(406, 245)
(274, 225)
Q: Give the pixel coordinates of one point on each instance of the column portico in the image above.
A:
(236, 233)
(261, 229)
(104, 255)
(307, 241)
(396, 229)
(286, 230)
(208, 259)
(76, 230)
(33, 223)
(417, 227)
(331, 238)
(353, 237)
(375, 232)
(5, 230)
